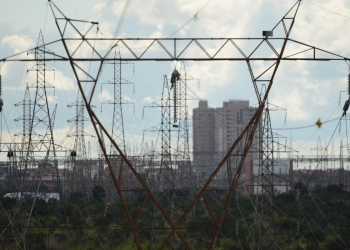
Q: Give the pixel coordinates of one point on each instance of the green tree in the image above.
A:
(98, 193)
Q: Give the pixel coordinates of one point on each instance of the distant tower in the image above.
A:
(79, 148)
(265, 197)
(26, 118)
(41, 127)
(183, 150)
(80, 170)
(24, 156)
(117, 102)
(165, 128)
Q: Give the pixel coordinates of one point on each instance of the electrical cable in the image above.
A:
(325, 217)
(307, 184)
(308, 224)
(307, 126)
(121, 19)
(195, 17)
(99, 11)
(333, 12)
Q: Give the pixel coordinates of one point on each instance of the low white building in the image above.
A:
(279, 175)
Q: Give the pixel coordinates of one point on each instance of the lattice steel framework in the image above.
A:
(247, 134)
(182, 153)
(41, 125)
(79, 133)
(26, 119)
(265, 185)
(177, 50)
(117, 102)
(166, 169)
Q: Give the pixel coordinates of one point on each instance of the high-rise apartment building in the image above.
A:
(215, 130)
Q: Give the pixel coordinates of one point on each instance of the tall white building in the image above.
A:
(215, 130)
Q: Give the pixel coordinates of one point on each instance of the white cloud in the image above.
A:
(18, 43)
(52, 99)
(147, 99)
(128, 99)
(4, 69)
(62, 82)
(105, 96)
(54, 77)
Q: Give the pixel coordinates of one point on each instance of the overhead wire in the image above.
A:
(308, 224)
(193, 18)
(308, 182)
(330, 11)
(307, 126)
(312, 125)
(325, 218)
(121, 19)
(102, 9)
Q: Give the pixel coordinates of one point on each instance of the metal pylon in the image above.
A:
(26, 119)
(183, 150)
(40, 136)
(165, 128)
(174, 228)
(41, 119)
(79, 134)
(265, 187)
(117, 131)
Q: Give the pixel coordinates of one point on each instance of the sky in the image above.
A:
(304, 91)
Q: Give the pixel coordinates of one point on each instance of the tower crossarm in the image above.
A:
(36, 145)
(180, 52)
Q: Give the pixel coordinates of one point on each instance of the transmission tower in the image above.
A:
(40, 134)
(79, 169)
(41, 119)
(26, 119)
(79, 134)
(265, 203)
(174, 229)
(182, 154)
(117, 130)
(183, 151)
(117, 102)
(166, 128)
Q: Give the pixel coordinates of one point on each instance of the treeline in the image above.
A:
(297, 220)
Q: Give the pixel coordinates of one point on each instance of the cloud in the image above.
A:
(52, 99)
(18, 43)
(105, 96)
(147, 100)
(53, 77)
(4, 69)
(62, 82)
(127, 99)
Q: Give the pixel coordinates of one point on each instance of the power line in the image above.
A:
(333, 12)
(194, 18)
(307, 126)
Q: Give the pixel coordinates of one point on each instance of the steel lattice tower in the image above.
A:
(41, 119)
(80, 169)
(265, 203)
(165, 128)
(79, 133)
(117, 130)
(26, 119)
(117, 125)
(183, 150)
(117, 102)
